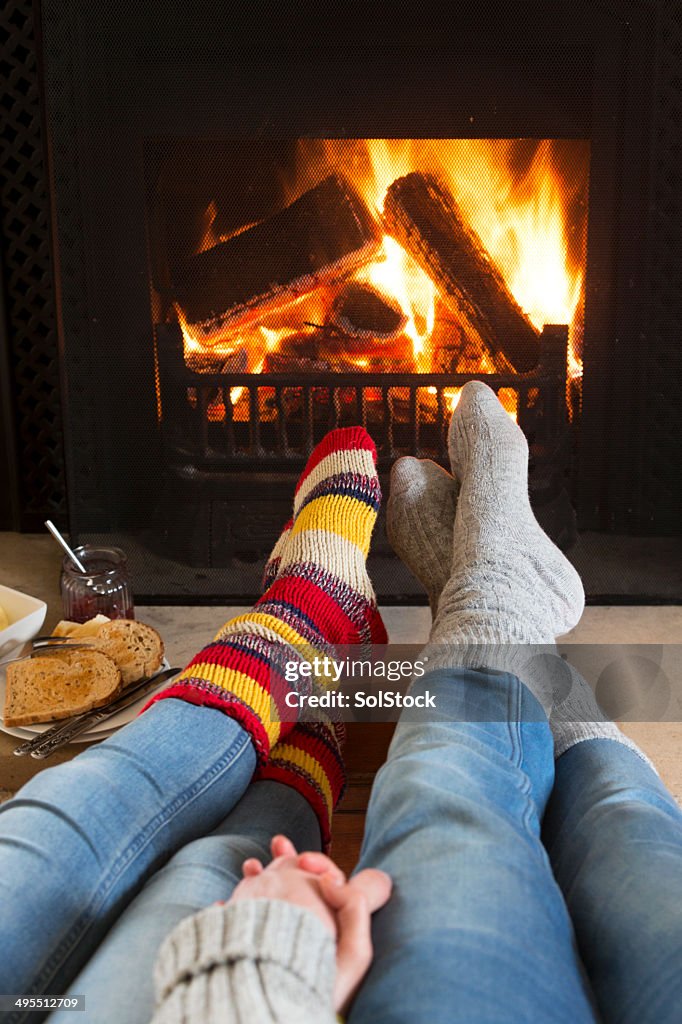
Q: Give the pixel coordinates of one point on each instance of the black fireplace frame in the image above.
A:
(616, 45)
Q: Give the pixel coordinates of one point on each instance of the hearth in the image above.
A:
(272, 228)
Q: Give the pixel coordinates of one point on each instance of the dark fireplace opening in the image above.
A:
(267, 229)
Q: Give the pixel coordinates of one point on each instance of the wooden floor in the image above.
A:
(365, 752)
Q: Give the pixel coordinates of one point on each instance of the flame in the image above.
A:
(399, 276)
(521, 219)
(525, 199)
(527, 232)
(531, 251)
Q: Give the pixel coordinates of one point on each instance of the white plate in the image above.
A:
(26, 615)
(85, 737)
(98, 732)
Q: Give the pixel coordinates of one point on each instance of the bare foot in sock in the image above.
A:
(420, 516)
(509, 584)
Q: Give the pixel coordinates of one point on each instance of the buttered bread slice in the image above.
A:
(60, 685)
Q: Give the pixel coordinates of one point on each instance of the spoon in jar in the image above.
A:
(60, 540)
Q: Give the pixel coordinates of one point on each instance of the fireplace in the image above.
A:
(300, 223)
(287, 306)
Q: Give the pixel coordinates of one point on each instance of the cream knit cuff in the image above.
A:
(271, 934)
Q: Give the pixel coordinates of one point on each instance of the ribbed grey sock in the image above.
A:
(578, 717)
(505, 605)
(420, 516)
(509, 584)
(510, 588)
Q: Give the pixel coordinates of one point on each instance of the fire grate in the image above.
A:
(218, 421)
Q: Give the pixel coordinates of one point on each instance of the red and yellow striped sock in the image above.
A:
(321, 597)
(310, 760)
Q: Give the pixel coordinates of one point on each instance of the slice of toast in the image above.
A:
(54, 686)
(136, 648)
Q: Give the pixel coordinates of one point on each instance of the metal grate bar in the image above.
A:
(273, 419)
(254, 422)
(229, 419)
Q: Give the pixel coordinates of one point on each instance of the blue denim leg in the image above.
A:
(614, 836)
(78, 840)
(476, 929)
(200, 873)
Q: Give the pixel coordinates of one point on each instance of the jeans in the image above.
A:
(79, 840)
(485, 923)
(478, 926)
(614, 836)
(200, 873)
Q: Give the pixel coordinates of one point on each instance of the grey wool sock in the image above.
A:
(578, 717)
(509, 583)
(510, 586)
(500, 612)
(419, 521)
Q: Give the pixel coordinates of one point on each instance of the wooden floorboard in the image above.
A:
(365, 752)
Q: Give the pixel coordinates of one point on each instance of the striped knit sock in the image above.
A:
(322, 596)
(271, 570)
(310, 760)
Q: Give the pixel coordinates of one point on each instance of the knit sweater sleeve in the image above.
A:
(249, 962)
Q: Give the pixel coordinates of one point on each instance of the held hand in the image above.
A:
(354, 903)
(284, 879)
(315, 882)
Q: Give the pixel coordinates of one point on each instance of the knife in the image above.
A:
(44, 645)
(63, 732)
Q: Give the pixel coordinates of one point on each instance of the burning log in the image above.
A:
(279, 362)
(320, 238)
(300, 345)
(362, 312)
(208, 362)
(421, 214)
(395, 356)
(297, 353)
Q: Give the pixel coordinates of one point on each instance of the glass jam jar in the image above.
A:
(103, 589)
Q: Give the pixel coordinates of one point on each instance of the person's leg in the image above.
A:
(296, 793)
(80, 838)
(476, 928)
(319, 595)
(199, 874)
(614, 836)
(613, 832)
(104, 838)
